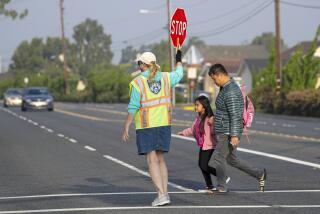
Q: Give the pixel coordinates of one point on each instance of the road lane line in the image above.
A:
(147, 193)
(292, 160)
(73, 140)
(143, 172)
(87, 116)
(90, 148)
(163, 207)
(60, 135)
(49, 130)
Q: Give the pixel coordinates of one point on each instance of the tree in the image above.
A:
(92, 45)
(39, 57)
(128, 55)
(13, 14)
(302, 69)
(194, 41)
(266, 40)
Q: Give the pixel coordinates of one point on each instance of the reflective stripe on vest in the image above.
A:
(155, 102)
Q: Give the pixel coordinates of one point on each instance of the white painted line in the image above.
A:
(163, 207)
(147, 193)
(90, 148)
(143, 172)
(261, 122)
(292, 160)
(30, 121)
(23, 118)
(43, 127)
(35, 123)
(60, 135)
(73, 140)
(50, 130)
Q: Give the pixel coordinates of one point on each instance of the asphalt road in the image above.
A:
(73, 161)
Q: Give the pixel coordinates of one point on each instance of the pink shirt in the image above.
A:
(209, 137)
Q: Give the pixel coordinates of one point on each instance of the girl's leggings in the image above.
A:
(207, 171)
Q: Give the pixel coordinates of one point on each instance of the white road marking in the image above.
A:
(30, 121)
(23, 118)
(163, 207)
(143, 172)
(35, 123)
(261, 122)
(288, 125)
(43, 127)
(147, 193)
(292, 160)
(90, 148)
(50, 130)
(60, 135)
(318, 129)
(73, 140)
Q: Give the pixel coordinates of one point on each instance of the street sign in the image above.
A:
(178, 27)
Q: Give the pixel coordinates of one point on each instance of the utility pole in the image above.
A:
(170, 51)
(64, 50)
(278, 48)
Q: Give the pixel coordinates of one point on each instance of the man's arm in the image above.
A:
(235, 110)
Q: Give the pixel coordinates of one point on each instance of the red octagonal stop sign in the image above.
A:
(178, 27)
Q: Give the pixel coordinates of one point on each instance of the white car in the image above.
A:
(12, 97)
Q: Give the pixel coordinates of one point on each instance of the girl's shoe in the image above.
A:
(209, 190)
(161, 200)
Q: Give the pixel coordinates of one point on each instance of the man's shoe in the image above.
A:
(160, 201)
(228, 180)
(262, 180)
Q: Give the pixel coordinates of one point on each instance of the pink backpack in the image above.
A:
(248, 112)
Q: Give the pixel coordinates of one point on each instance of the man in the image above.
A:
(228, 128)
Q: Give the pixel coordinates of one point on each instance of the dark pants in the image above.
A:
(225, 152)
(207, 171)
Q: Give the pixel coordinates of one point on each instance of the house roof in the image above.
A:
(256, 65)
(211, 53)
(231, 65)
(305, 47)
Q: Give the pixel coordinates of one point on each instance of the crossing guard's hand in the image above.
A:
(125, 134)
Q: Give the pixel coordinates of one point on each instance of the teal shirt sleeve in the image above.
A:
(176, 76)
(134, 104)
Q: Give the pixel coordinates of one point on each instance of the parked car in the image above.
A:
(12, 97)
(37, 98)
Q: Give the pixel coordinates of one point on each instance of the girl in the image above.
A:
(202, 130)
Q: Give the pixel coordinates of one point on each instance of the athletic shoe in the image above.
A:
(160, 201)
(262, 180)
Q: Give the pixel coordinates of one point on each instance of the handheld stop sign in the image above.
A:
(178, 27)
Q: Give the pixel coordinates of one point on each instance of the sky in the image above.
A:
(137, 22)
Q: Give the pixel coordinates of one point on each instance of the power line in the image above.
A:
(301, 5)
(140, 36)
(235, 23)
(141, 43)
(224, 14)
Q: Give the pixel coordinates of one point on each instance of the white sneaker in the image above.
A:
(161, 200)
(228, 180)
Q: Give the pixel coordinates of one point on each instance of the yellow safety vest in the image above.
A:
(155, 109)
